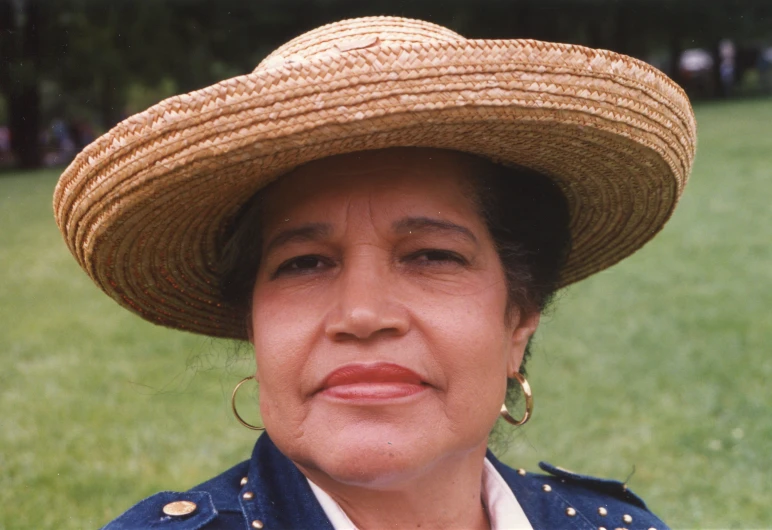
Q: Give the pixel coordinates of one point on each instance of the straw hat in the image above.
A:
(144, 208)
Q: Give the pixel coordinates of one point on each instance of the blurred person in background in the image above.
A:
(764, 65)
(726, 66)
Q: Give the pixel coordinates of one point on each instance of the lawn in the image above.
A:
(658, 366)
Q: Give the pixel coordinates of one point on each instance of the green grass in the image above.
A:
(658, 364)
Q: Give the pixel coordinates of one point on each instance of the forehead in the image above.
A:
(390, 180)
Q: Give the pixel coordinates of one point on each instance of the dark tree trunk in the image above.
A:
(622, 35)
(24, 125)
(21, 55)
(111, 104)
(7, 18)
(7, 46)
(676, 49)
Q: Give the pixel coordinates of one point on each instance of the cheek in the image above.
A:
(282, 335)
(469, 339)
(281, 324)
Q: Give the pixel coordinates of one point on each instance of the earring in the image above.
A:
(236, 412)
(528, 403)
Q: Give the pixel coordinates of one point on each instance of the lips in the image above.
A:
(372, 382)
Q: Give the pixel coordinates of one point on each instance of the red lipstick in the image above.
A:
(372, 382)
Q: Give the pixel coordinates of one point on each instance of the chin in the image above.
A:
(375, 455)
(374, 464)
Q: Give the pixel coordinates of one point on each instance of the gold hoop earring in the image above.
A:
(528, 403)
(236, 412)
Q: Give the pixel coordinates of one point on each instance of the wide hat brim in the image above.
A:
(144, 209)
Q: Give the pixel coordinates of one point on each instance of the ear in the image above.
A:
(525, 325)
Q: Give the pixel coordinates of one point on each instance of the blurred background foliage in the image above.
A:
(91, 63)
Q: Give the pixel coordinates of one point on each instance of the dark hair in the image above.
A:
(528, 219)
(525, 212)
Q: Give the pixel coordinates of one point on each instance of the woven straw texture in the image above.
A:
(143, 209)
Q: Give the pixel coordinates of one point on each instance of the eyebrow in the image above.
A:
(428, 224)
(306, 232)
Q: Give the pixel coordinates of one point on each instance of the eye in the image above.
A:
(302, 265)
(437, 256)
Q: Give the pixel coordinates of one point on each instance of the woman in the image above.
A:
(383, 209)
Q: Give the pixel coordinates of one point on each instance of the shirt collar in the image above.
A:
(503, 509)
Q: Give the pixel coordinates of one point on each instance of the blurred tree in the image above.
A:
(20, 27)
(91, 55)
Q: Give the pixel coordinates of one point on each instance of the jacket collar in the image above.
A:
(281, 497)
(280, 494)
(542, 510)
(277, 494)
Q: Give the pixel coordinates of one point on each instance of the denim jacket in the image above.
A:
(269, 492)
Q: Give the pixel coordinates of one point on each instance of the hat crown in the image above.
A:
(354, 34)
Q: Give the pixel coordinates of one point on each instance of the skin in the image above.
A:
(401, 270)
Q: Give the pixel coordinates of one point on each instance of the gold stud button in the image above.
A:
(257, 523)
(570, 512)
(179, 508)
(248, 496)
(603, 512)
(521, 472)
(547, 488)
(627, 519)
(243, 481)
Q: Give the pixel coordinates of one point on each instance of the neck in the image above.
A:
(448, 495)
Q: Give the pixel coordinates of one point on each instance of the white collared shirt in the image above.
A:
(503, 509)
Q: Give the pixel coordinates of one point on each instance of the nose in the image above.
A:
(366, 305)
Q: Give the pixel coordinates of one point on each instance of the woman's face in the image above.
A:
(380, 327)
